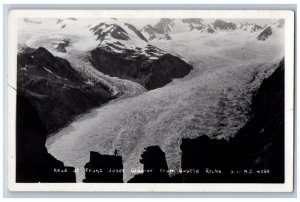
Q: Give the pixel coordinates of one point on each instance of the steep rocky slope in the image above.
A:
(58, 92)
(149, 73)
(261, 142)
(266, 33)
(33, 162)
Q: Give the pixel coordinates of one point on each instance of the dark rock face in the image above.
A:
(136, 31)
(57, 91)
(255, 154)
(266, 33)
(256, 28)
(252, 27)
(196, 24)
(151, 31)
(163, 27)
(103, 168)
(61, 46)
(149, 73)
(202, 159)
(222, 25)
(59, 21)
(155, 167)
(42, 63)
(192, 20)
(33, 162)
(261, 141)
(210, 30)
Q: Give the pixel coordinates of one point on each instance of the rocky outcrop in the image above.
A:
(192, 20)
(205, 160)
(40, 62)
(160, 30)
(255, 154)
(103, 168)
(149, 73)
(57, 91)
(33, 162)
(266, 33)
(155, 167)
(252, 27)
(222, 25)
(62, 45)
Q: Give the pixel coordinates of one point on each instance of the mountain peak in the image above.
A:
(104, 31)
(192, 20)
(265, 34)
(160, 30)
(223, 25)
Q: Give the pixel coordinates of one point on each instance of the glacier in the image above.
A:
(213, 100)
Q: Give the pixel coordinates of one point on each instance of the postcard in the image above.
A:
(151, 100)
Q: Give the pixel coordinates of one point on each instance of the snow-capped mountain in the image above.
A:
(166, 28)
(111, 47)
(250, 27)
(270, 29)
(124, 52)
(160, 30)
(117, 37)
(85, 35)
(223, 25)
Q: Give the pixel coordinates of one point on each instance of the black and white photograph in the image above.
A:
(151, 97)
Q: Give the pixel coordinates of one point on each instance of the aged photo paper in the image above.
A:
(151, 100)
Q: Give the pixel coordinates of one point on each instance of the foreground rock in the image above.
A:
(205, 160)
(55, 89)
(33, 162)
(155, 167)
(103, 168)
